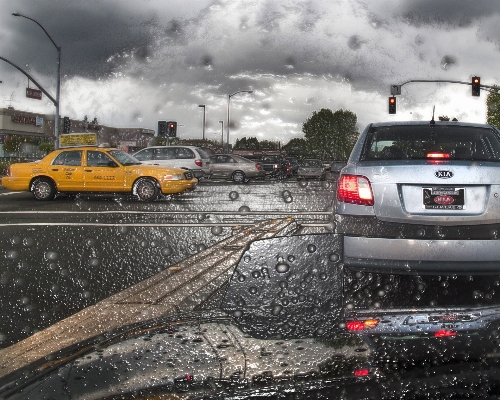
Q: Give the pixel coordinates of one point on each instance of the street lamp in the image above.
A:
(222, 134)
(204, 118)
(228, 111)
(58, 84)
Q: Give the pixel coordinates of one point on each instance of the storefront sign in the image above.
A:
(78, 139)
(34, 93)
(23, 119)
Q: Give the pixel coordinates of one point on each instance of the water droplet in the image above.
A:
(238, 313)
(51, 256)
(201, 247)
(276, 309)
(216, 230)
(253, 290)
(11, 254)
(334, 257)
(241, 278)
(28, 242)
(94, 262)
(256, 274)
(311, 248)
(244, 209)
(282, 268)
(166, 251)
(233, 195)
(15, 240)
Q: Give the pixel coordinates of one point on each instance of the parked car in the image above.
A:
(192, 158)
(276, 166)
(294, 163)
(336, 166)
(239, 169)
(311, 168)
(418, 210)
(95, 170)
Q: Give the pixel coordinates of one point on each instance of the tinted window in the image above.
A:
(184, 153)
(99, 159)
(415, 142)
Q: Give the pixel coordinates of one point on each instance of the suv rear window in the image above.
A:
(416, 142)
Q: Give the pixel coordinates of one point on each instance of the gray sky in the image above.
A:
(132, 63)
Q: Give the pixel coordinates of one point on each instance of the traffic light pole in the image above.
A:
(396, 89)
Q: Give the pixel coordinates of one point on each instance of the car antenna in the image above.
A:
(432, 120)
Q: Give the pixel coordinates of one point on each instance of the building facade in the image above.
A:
(29, 130)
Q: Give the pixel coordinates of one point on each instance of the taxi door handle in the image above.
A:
(88, 170)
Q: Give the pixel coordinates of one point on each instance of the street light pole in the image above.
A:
(204, 118)
(228, 112)
(58, 84)
(222, 135)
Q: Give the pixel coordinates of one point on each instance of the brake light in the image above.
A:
(199, 163)
(361, 325)
(438, 155)
(362, 372)
(355, 189)
(445, 333)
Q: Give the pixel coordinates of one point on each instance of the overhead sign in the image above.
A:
(78, 139)
(34, 93)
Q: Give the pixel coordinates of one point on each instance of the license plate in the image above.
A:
(444, 198)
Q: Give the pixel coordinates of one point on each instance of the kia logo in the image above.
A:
(443, 174)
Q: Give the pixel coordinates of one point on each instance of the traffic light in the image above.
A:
(66, 125)
(392, 105)
(162, 128)
(476, 86)
(172, 129)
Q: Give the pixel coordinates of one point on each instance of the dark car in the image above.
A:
(276, 166)
(294, 163)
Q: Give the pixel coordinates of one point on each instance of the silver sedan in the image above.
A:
(234, 167)
(311, 168)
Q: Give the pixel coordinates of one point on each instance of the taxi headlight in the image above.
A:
(176, 177)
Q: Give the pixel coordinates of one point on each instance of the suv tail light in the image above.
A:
(257, 166)
(361, 325)
(355, 189)
(199, 163)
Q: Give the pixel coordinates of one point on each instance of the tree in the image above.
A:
(13, 143)
(268, 145)
(493, 107)
(46, 147)
(331, 135)
(247, 143)
(296, 147)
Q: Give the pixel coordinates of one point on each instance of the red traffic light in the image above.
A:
(392, 105)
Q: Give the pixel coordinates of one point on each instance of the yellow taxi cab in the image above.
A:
(96, 170)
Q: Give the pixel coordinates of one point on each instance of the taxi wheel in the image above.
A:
(239, 177)
(43, 189)
(146, 189)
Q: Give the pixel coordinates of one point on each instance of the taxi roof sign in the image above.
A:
(78, 139)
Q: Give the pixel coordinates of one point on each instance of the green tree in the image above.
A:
(13, 144)
(493, 107)
(296, 147)
(46, 147)
(268, 145)
(247, 143)
(331, 135)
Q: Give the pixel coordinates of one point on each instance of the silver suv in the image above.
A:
(186, 157)
(418, 213)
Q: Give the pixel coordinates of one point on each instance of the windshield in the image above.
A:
(249, 272)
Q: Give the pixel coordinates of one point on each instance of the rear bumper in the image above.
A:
(422, 255)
